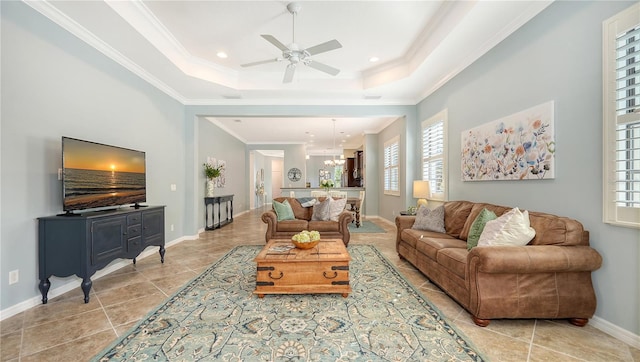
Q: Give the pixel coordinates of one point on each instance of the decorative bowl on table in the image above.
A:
(306, 239)
(307, 245)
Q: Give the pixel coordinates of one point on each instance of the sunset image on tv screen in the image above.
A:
(97, 175)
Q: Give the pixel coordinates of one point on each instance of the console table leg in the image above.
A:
(162, 254)
(86, 287)
(44, 286)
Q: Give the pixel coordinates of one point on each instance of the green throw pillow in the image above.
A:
(478, 225)
(283, 210)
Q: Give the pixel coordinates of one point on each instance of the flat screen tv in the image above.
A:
(101, 176)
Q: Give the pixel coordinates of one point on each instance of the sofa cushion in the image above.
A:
(454, 260)
(477, 226)
(283, 210)
(455, 216)
(431, 220)
(299, 212)
(557, 230)
(324, 226)
(336, 207)
(430, 246)
(510, 229)
(321, 210)
(410, 236)
(292, 225)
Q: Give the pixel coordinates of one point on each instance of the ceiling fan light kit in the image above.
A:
(296, 55)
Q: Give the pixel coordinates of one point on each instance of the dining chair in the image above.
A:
(338, 194)
(318, 194)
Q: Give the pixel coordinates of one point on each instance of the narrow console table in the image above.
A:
(82, 244)
(227, 200)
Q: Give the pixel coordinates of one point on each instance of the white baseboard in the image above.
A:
(615, 331)
(71, 285)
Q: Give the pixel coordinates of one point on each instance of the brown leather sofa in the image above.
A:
(287, 228)
(548, 278)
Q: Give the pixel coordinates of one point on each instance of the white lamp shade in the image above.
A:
(421, 191)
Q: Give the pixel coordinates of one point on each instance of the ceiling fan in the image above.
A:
(295, 55)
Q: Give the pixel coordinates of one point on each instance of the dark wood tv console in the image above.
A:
(85, 243)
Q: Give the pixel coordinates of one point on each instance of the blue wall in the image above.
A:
(556, 56)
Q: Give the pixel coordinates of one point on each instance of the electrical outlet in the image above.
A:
(13, 276)
(171, 227)
(173, 187)
(59, 174)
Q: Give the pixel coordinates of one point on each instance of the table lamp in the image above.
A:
(421, 192)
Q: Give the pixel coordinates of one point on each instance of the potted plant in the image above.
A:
(211, 173)
(326, 184)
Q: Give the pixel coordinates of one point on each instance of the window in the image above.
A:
(391, 166)
(621, 104)
(434, 160)
(434, 157)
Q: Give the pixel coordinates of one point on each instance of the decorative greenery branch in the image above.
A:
(212, 172)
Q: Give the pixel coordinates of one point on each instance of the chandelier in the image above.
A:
(333, 162)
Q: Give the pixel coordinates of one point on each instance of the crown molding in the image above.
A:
(151, 28)
(533, 9)
(45, 8)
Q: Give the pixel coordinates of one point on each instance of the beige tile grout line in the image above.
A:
(95, 295)
(533, 336)
(24, 318)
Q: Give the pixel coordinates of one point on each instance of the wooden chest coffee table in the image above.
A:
(322, 269)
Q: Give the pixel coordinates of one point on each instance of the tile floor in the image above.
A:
(66, 329)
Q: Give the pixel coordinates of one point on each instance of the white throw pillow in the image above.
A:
(511, 229)
(336, 207)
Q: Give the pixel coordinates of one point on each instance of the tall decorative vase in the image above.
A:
(210, 188)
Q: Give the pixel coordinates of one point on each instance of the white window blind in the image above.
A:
(433, 154)
(628, 119)
(391, 169)
(622, 118)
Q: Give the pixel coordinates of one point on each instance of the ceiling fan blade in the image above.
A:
(261, 62)
(324, 47)
(288, 74)
(323, 68)
(271, 39)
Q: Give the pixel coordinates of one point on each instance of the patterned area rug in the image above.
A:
(365, 227)
(216, 317)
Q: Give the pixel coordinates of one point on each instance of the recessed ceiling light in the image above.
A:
(373, 59)
(222, 55)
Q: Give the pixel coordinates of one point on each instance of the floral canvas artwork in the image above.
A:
(518, 147)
